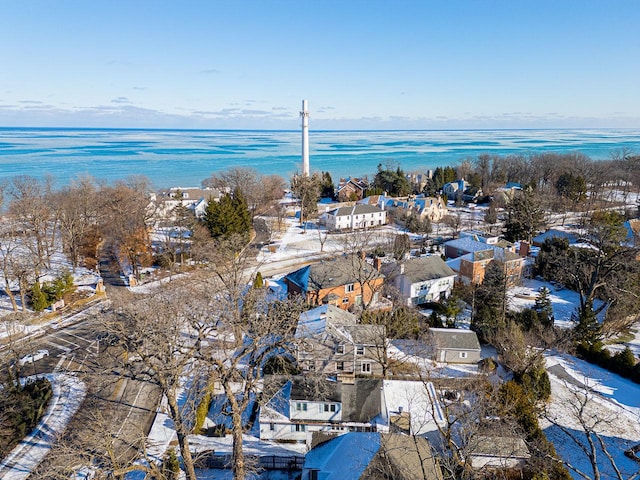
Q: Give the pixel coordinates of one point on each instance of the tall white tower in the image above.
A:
(305, 139)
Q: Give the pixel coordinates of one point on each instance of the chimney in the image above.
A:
(377, 263)
(524, 249)
(402, 268)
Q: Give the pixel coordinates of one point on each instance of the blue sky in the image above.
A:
(372, 64)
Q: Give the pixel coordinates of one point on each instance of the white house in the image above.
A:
(193, 198)
(302, 406)
(421, 280)
(356, 217)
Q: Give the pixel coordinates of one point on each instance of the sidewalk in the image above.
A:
(68, 394)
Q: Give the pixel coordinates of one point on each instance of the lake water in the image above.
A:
(186, 157)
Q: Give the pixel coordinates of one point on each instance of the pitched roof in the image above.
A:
(427, 268)
(455, 338)
(553, 233)
(365, 334)
(345, 457)
(333, 273)
(361, 401)
(468, 245)
(314, 321)
(356, 455)
(357, 209)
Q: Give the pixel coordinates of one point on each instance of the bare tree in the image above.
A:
(78, 212)
(585, 425)
(31, 207)
(126, 220)
(307, 189)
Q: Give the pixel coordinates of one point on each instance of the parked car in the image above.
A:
(33, 357)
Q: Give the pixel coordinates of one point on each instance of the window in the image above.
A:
(301, 407)
(463, 354)
(348, 288)
(339, 366)
(329, 407)
(340, 349)
(313, 474)
(345, 300)
(272, 427)
(298, 428)
(360, 350)
(365, 367)
(359, 300)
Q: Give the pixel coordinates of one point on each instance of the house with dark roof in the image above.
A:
(377, 456)
(331, 341)
(347, 281)
(421, 280)
(455, 345)
(352, 189)
(301, 405)
(355, 217)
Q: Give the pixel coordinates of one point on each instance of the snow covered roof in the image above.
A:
(348, 457)
(314, 321)
(414, 398)
(345, 457)
(554, 233)
(468, 244)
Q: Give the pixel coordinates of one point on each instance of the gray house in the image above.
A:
(455, 345)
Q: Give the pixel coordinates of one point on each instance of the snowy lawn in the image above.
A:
(564, 302)
(613, 402)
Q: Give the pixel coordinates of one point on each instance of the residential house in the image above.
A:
(470, 257)
(194, 199)
(452, 188)
(412, 407)
(455, 345)
(352, 189)
(347, 281)
(421, 280)
(376, 456)
(302, 405)
(355, 217)
(332, 342)
(433, 208)
(539, 240)
(480, 236)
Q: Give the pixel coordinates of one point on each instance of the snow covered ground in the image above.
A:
(68, 394)
(613, 405)
(564, 302)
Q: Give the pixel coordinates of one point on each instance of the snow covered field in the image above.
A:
(612, 408)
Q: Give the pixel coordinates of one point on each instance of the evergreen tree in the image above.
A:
(229, 216)
(588, 331)
(39, 299)
(525, 217)
(327, 188)
(258, 282)
(490, 302)
(543, 307)
(491, 216)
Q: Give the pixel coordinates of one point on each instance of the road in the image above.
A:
(117, 410)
